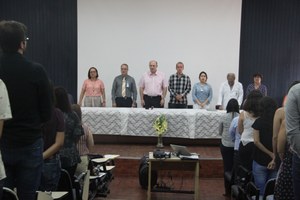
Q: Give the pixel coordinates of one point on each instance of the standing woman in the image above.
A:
(53, 137)
(227, 143)
(263, 167)
(69, 154)
(93, 90)
(257, 85)
(246, 119)
(202, 92)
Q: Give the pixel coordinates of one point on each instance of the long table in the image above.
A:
(182, 123)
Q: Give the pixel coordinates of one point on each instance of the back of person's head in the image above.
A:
(232, 106)
(268, 108)
(61, 99)
(76, 108)
(12, 33)
(251, 103)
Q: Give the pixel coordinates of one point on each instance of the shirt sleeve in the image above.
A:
(220, 98)
(171, 86)
(5, 111)
(45, 101)
(241, 94)
(292, 114)
(114, 90)
(134, 91)
(210, 94)
(188, 88)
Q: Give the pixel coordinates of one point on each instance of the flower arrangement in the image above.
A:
(160, 125)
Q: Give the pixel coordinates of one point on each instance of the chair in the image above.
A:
(252, 192)
(243, 176)
(65, 184)
(44, 196)
(9, 194)
(269, 188)
(81, 185)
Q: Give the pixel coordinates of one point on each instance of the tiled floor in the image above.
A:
(126, 186)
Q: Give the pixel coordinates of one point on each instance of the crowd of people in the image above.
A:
(42, 131)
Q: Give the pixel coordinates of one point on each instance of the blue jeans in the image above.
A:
(296, 176)
(23, 166)
(261, 175)
(50, 174)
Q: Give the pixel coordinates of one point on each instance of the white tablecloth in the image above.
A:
(184, 123)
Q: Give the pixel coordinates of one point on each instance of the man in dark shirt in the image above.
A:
(123, 93)
(179, 87)
(29, 93)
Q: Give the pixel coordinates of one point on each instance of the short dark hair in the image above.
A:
(203, 72)
(251, 103)
(257, 74)
(61, 99)
(268, 108)
(90, 70)
(233, 106)
(12, 33)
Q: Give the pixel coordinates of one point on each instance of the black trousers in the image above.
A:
(152, 101)
(246, 155)
(124, 102)
(176, 105)
(227, 155)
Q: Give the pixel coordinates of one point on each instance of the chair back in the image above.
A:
(9, 194)
(269, 188)
(243, 176)
(252, 192)
(65, 184)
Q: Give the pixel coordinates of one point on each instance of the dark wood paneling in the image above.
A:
(270, 43)
(52, 26)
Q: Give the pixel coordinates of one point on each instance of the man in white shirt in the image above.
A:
(5, 113)
(230, 90)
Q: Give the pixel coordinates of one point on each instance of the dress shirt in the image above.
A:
(234, 133)
(202, 92)
(153, 84)
(262, 88)
(179, 85)
(226, 119)
(93, 88)
(130, 88)
(292, 118)
(5, 112)
(226, 93)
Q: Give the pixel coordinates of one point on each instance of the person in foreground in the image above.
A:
(292, 117)
(85, 143)
(30, 100)
(123, 92)
(264, 166)
(228, 90)
(5, 114)
(227, 144)
(179, 87)
(69, 154)
(153, 87)
(53, 136)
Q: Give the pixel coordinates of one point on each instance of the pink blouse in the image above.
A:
(93, 88)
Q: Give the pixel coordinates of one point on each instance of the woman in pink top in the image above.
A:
(93, 90)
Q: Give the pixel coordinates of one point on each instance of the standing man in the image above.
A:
(228, 90)
(292, 120)
(179, 87)
(29, 93)
(124, 91)
(153, 87)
